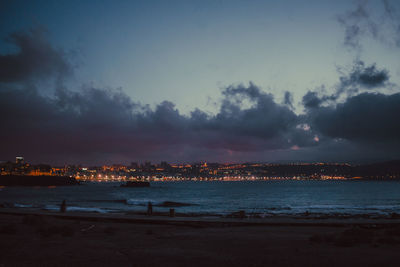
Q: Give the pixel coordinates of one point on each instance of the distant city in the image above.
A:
(204, 171)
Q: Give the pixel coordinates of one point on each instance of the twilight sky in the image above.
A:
(118, 81)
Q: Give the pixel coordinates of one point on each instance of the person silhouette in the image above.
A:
(63, 207)
(149, 208)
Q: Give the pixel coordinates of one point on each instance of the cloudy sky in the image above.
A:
(269, 81)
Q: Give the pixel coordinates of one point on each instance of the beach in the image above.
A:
(43, 238)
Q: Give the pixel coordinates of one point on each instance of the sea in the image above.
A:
(205, 198)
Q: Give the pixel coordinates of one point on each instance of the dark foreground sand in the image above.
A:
(95, 240)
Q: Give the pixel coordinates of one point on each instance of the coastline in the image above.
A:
(208, 220)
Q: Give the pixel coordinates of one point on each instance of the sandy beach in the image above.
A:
(37, 238)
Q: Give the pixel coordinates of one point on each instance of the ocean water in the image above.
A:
(265, 198)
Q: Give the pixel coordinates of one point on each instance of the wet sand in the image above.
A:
(75, 239)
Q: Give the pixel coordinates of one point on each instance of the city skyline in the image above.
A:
(199, 81)
(200, 171)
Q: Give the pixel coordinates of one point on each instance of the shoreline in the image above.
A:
(164, 211)
(208, 220)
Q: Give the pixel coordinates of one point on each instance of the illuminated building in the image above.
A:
(19, 160)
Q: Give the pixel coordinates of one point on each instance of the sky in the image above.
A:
(98, 82)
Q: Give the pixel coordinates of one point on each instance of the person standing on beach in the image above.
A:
(63, 206)
(149, 208)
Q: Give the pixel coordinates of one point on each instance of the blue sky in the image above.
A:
(186, 51)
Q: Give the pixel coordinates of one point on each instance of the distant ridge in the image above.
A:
(45, 180)
(379, 169)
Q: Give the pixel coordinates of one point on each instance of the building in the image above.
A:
(19, 160)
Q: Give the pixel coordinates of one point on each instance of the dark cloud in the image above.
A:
(268, 124)
(288, 99)
(392, 18)
(365, 121)
(363, 21)
(35, 59)
(368, 118)
(360, 77)
(103, 123)
(311, 100)
(356, 23)
(99, 125)
(365, 76)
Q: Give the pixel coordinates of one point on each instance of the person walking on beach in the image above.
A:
(149, 208)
